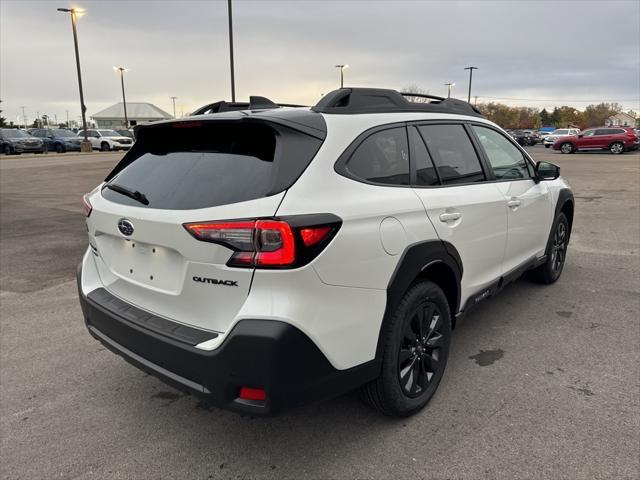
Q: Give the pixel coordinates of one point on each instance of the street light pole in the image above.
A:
(342, 67)
(471, 69)
(85, 146)
(233, 80)
(174, 106)
(449, 85)
(24, 119)
(124, 100)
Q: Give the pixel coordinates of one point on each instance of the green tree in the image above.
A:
(545, 118)
(596, 115)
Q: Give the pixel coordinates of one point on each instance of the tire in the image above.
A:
(550, 271)
(104, 147)
(547, 146)
(396, 393)
(60, 148)
(616, 148)
(566, 147)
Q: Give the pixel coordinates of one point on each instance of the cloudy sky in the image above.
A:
(538, 53)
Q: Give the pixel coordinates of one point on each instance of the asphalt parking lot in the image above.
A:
(541, 382)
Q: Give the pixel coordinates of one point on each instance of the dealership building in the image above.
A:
(137, 113)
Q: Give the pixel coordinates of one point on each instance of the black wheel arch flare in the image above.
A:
(413, 261)
(565, 203)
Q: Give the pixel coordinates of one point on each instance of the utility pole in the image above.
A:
(24, 119)
(174, 106)
(233, 80)
(67, 118)
(471, 69)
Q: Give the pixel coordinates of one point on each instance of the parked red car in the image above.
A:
(614, 139)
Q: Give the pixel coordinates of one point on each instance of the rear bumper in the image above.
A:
(268, 354)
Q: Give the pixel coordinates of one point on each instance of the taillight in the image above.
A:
(270, 243)
(312, 235)
(86, 205)
(275, 243)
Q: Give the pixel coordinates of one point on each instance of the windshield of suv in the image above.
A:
(61, 133)
(109, 133)
(206, 164)
(14, 133)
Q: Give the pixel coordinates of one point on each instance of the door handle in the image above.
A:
(513, 203)
(450, 217)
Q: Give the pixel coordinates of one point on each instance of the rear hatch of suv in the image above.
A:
(237, 167)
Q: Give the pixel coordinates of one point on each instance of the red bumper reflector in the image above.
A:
(247, 393)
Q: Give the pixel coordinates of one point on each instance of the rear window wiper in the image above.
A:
(135, 194)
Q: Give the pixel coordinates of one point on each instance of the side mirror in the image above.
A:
(547, 171)
(580, 135)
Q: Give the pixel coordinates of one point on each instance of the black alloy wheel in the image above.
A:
(420, 349)
(559, 248)
(414, 347)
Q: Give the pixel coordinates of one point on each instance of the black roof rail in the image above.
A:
(254, 103)
(381, 100)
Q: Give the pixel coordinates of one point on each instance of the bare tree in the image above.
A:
(413, 88)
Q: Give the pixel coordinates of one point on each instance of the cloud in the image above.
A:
(286, 50)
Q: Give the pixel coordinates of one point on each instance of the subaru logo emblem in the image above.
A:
(125, 227)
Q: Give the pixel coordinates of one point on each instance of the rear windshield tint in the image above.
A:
(194, 165)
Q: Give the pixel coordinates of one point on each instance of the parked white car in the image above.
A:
(550, 139)
(272, 256)
(106, 140)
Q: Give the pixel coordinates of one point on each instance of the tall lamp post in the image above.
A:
(124, 100)
(342, 67)
(174, 106)
(85, 145)
(449, 85)
(233, 80)
(471, 69)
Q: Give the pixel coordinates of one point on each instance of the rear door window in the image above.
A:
(211, 164)
(383, 157)
(453, 153)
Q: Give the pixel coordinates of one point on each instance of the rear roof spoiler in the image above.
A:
(254, 103)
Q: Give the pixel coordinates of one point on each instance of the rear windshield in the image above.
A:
(189, 165)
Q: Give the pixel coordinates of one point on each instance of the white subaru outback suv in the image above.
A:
(266, 256)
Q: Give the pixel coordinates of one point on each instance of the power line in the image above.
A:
(563, 99)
